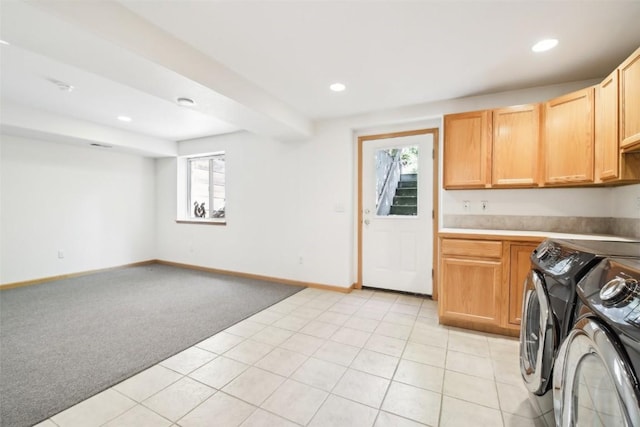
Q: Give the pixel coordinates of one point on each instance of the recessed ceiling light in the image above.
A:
(544, 45)
(61, 85)
(124, 118)
(4, 42)
(337, 87)
(185, 102)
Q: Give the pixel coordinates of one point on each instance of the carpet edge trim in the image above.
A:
(41, 280)
(182, 265)
(258, 277)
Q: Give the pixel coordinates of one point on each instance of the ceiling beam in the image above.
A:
(108, 39)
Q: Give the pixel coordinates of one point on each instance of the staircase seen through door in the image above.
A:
(405, 201)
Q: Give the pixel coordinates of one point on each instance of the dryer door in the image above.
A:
(592, 381)
(538, 336)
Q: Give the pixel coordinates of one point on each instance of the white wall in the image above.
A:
(281, 205)
(626, 202)
(95, 205)
(583, 202)
(284, 198)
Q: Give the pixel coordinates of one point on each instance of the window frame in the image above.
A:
(189, 216)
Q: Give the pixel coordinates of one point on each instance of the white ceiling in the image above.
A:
(266, 66)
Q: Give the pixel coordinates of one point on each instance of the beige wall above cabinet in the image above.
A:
(568, 141)
(467, 149)
(515, 146)
(630, 103)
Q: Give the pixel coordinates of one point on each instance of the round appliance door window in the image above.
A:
(537, 336)
(591, 382)
(595, 402)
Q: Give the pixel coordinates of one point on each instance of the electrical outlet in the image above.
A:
(60, 254)
(300, 260)
(484, 205)
(466, 205)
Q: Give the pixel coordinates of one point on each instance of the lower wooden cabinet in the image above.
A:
(481, 283)
(519, 266)
(474, 292)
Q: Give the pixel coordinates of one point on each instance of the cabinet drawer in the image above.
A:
(472, 248)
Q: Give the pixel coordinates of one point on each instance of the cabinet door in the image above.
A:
(470, 289)
(630, 102)
(519, 267)
(466, 149)
(606, 142)
(516, 139)
(568, 138)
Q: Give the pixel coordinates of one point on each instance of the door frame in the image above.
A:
(435, 132)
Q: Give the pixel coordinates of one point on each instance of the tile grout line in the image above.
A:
(351, 317)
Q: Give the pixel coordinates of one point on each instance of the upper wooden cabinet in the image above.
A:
(611, 165)
(516, 134)
(630, 103)
(467, 149)
(568, 148)
(606, 142)
(588, 137)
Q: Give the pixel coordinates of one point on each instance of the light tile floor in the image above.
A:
(321, 358)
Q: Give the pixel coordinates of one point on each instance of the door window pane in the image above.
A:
(397, 181)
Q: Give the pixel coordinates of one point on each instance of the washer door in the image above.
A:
(592, 381)
(538, 336)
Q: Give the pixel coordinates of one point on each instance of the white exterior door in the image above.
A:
(397, 228)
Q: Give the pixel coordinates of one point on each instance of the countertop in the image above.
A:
(510, 234)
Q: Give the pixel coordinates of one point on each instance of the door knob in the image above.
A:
(367, 211)
(366, 222)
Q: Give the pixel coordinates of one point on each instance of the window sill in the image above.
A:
(201, 221)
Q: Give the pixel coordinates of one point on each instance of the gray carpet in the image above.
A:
(62, 342)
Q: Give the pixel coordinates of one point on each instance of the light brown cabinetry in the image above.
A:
(611, 165)
(568, 147)
(630, 103)
(515, 146)
(588, 137)
(467, 149)
(519, 266)
(607, 148)
(481, 282)
(471, 276)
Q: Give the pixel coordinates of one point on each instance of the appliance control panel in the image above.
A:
(560, 259)
(634, 316)
(612, 290)
(619, 291)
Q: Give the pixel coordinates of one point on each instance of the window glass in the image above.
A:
(397, 181)
(206, 187)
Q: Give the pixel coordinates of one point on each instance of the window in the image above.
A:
(206, 187)
(397, 181)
